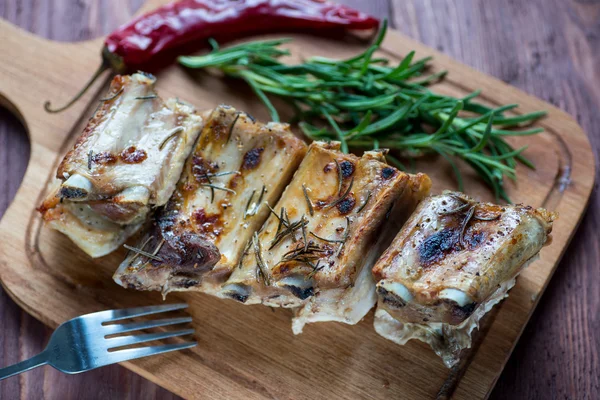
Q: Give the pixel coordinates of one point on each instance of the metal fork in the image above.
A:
(80, 344)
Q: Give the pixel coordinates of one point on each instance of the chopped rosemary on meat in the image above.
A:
(174, 132)
(340, 177)
(90, 158)
(160, 244)
(218, 187)
(151, 96)
(346, 234)
(342, 197)
(311, 210)
(288, 229)
(327, 240)
(316, 268)
(251, 213)
(211, 174)
(304, 254)
(470, 208)
(365, 203)
(136, 254)
(262, 267)
(237, 115)
(212, 189)
(465, 223)
(368, 102)
(143, 253)
(245, 253)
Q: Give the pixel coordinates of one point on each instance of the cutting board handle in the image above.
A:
(37, 70)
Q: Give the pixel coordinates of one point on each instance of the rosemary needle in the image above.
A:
(142, 252)
(311, 210)
(172, 134)
(368, 102)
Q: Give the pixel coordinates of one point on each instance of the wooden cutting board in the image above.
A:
(248, 352)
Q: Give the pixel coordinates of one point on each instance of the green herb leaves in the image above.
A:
(364, 102)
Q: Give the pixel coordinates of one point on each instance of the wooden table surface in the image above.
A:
(549, 48)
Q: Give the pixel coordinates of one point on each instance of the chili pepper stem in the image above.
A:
(103, 67)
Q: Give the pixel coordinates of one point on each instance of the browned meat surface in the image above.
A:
(237, 166)
(452, 261)
(316, 249)
(127, 161)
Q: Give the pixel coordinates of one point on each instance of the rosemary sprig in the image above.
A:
(341, 198)
(316, 268)
(346, 234)
(252, 212)
(363, 205)
(174, 132)
(136, 254)
(340, 177)
(311, 210)
(150, 96)
(237, 115)
(327, 240)
(288, 229)
(262, 267)
(368, 102)
(218, 187)
(143, 253)
(212, 189)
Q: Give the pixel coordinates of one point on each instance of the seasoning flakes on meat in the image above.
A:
(127, 161)
(316, 250)
(237, 166)
(450, 264)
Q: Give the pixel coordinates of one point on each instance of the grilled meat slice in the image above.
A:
(450, 264)
(127, 160)
(237, 165)
(317, 248)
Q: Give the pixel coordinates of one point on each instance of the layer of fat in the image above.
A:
(348, 305)
(90, 232)
(446, 340)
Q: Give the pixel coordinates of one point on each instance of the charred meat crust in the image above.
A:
(211, 208)
(343, 200)
(453, 253)
(184, 251)
(125, 163)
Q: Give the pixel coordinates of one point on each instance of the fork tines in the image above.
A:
(106, 318)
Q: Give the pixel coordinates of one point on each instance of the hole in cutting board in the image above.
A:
(14, 156)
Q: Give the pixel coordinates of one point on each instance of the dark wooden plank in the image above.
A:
(549, 48)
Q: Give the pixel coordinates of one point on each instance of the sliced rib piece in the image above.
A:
(127, 160)
(237, 165)
(449, 265)
(317, 248)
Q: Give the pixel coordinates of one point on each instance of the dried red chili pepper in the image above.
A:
(156, 38)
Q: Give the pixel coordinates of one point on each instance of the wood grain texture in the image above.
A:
(556, 63)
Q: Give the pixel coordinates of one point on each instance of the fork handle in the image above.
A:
(26, 365)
